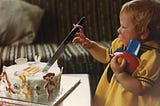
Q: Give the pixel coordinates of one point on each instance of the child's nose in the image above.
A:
(118, 30)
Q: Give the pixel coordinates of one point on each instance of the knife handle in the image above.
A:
(81, 21)
(73, 31)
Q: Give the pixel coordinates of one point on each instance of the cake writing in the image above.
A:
(32, 70)
(28, 71)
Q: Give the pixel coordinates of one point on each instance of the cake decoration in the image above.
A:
(21, 60)
(6, 81)
(26, 79)
(50, 85)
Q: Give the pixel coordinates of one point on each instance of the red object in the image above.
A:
(132, 61)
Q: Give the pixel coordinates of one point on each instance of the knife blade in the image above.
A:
(62, 46)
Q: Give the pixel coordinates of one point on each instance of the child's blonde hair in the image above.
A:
(146, 15)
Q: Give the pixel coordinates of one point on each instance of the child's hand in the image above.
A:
(83, 40)
(118, 64)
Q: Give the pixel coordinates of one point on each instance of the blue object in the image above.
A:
(133, 47)
(119, 50)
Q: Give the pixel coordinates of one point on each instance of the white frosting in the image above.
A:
(19, 68)
(37, 84)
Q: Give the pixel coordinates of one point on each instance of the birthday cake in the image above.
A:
(26, 79)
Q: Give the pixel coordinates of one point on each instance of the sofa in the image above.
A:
(56, 22)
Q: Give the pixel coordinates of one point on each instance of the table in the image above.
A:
(75, 94)
(81, 95)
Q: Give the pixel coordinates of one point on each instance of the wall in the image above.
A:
(101, 18)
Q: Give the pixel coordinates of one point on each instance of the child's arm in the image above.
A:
(127, 81)
(131, 84)
(98, 52)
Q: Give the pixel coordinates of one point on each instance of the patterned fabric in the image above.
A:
(10, 53)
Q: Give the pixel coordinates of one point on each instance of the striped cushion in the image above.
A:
(10, 53)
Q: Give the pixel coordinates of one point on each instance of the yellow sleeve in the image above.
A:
(149, 69)
(117, 43)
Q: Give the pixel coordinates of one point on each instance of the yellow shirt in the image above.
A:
(148, 73)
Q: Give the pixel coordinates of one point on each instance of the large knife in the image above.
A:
(62, 46)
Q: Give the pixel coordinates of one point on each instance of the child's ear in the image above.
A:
(144, 34)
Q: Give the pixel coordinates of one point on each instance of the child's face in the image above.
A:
(127, 29)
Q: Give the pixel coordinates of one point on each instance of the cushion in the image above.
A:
(19, 22)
